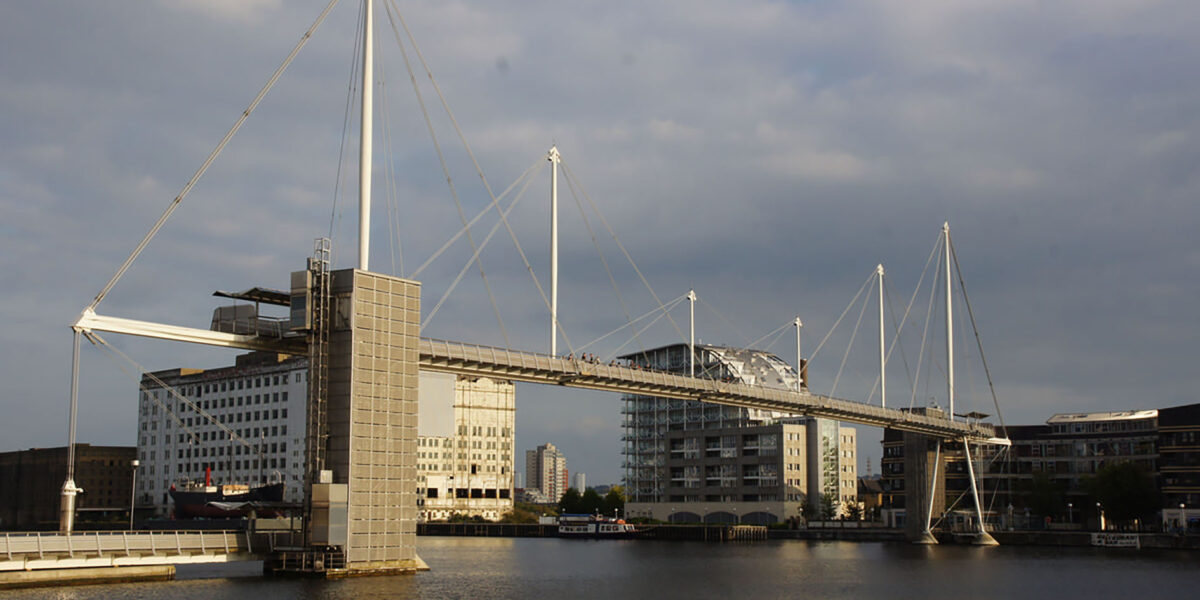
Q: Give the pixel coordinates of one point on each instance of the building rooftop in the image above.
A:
(1124, 415)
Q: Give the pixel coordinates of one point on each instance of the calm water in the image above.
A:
(617, 570)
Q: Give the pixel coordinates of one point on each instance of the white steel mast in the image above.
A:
(949, 326)
(882, 357)
(799, 359)
(554, 159)
(364, 148)
(691, 296)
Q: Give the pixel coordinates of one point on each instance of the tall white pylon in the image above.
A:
(554, 159)
(799, 357)
(949, 326)
(691, 296)
(882, 356)
(364, 147)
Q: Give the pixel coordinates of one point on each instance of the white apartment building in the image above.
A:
(261, 400)
(465, 464)
(465, 447)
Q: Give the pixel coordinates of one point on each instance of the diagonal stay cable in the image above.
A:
(495, 204)
(738, 332)
(187, 188)
(94, 337)
(624, 251)
(898, 324)
(91, 336)
(389, 173)
(338, 180)
(603, 261)
(987, 371)
(666, 307)
(670, 305)
(470, 261)
(937, 270)
(475, 161)
(772, 333)
(851, 304)
(462, 217)
(850, 344)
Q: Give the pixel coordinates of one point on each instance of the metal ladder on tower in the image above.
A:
(317, 430)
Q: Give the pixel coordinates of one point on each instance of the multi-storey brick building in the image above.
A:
(32, 482)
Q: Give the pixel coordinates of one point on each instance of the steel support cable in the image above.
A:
(648, 326)
(628, 257)
(471, 260)
(187, 188)
(777, 330)
(495, 204)
(170, 390)
(897, 329)
(898, 324)
(668, 307)
(774, 340)
(603, 261)
(850, 344)
(978, 341)
(339, 182)
(850, 305)
(722, 317)
(925, 331)
(389, 178)
(470, 153)
(93, 338)
(462, 217)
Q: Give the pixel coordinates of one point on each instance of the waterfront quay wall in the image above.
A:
(710, 533)
(1084, 538)
(488, 529)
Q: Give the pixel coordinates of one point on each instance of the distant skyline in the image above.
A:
(766, 154)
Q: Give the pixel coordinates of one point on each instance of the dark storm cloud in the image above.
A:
(768, 154)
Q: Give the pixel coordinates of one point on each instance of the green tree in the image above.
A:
(519, 515)
(854, 512)
(828, 510)
(1125, 490)
(614, 501)
(591, 503)
(1044, 496)
(571, 502)
(810, 509)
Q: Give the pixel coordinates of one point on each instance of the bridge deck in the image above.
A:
(469, 359)
(42, 550)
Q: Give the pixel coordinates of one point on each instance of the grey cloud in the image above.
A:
(767, 154)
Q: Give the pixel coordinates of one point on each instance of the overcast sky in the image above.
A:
(768, 154)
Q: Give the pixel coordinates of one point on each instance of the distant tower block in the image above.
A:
(372, 415)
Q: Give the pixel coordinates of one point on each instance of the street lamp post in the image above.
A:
(1100, 511)
(133, 492)
(1182, 518)
(1070, 518)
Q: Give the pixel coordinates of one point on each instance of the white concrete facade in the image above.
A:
(469, 471)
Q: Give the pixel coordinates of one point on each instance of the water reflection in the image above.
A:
(578, 569)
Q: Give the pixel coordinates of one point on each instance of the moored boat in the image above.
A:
(595, 527)
(204, 500)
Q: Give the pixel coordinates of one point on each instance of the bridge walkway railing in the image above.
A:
(463, 358)
(45, 550)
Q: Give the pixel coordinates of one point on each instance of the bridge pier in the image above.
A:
(368, 509)
(925, 486)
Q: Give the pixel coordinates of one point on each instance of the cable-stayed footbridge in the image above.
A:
(362, 333)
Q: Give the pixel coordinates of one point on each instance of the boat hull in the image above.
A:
(219, 505)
